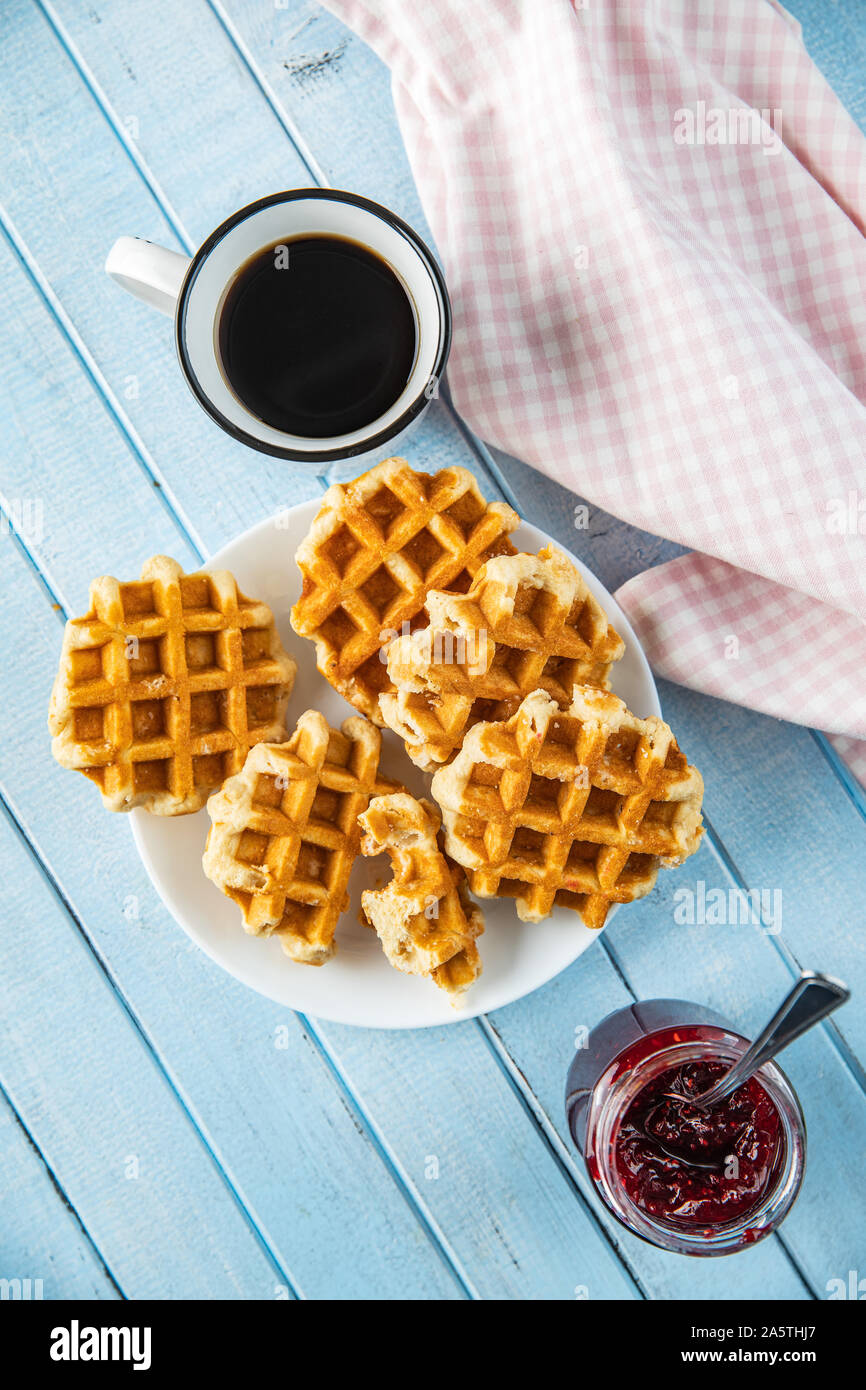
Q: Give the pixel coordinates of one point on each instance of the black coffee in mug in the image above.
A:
(317, 336)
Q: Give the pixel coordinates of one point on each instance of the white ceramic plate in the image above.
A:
(358, 985)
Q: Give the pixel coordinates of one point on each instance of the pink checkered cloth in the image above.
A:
(660, 301)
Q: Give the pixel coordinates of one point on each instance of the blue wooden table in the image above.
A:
(165, 1132)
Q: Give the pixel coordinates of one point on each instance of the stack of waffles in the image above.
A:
(492, 667)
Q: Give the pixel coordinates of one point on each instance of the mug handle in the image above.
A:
(151, 273)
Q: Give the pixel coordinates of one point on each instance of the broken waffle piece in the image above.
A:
(424, 917)
(374, 551)
(164, 686)
(574, 808)
(285, 831)
(528, 622)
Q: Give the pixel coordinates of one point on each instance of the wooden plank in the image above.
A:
(578, 999)
(267, 1102)
(835, 36)
(791, 832)
(614, 550)
(58, 423)
(333, 93)
(130, 343)
(102, 74)
(732, 969)
(742, 753)
(118, 514)
(260, 1093)
(88, 540)
(109, 1127)
(42, 1242)
(66, 212)
(575, 1226)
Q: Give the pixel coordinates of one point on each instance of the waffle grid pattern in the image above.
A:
(285, 831)
(574, 809)
(527, 623)
(376, 548)
(165, 684)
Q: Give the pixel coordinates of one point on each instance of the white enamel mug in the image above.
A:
(193, 292)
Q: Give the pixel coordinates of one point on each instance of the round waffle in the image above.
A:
(574, 808)
(164, 686)
(375, 550)
(285, 831)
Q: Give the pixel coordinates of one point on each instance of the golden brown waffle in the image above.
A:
(165, 684)
(375, 550)
(527, 623)
(285, 831)
(570, 809)
(424, 918)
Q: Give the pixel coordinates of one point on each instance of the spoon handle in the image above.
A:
(812, 998)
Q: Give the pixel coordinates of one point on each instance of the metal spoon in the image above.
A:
(812, 998)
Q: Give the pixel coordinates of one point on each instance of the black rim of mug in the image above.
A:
(283, 451)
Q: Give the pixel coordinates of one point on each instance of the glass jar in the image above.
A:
(626, 1052)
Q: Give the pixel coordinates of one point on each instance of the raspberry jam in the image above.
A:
(694, 1181)
(663, 1147)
